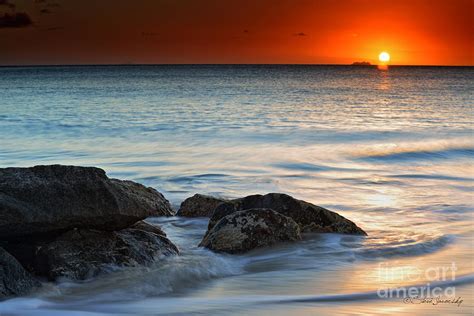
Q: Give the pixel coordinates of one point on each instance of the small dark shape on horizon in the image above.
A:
(40, 1)
(361, 63)
(301, 34)
(15, 20)
(45, 11)
(246, 31)
(53, 5)
(7, 3)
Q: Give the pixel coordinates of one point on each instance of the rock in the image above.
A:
(152, 228)
(26, 250)
(246, 230)
(199, 206)
(311, 218)
(56, 198)
(83, 253)
(14, 279)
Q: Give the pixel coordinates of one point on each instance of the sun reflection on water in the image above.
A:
(381, 200)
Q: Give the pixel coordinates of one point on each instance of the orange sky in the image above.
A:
(436, 32)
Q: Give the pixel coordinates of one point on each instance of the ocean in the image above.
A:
(389, 149)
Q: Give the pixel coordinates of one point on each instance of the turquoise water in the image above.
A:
(392, 150)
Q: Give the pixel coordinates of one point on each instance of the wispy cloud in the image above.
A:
(15, 20)
(7, 3)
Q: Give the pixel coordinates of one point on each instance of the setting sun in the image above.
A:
(384, 57)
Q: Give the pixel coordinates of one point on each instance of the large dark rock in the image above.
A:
(310, 217)
(249, 229)
(30, 251)
(52, 199)
(199, 206)
(82, 253)
(14, 279)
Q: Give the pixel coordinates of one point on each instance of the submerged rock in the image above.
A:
(56, 198)
(311, 218)
(245, 230)
(199, 206)
(14, 279)
(82, 253)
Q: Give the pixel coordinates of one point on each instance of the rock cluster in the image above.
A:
(74, 222)
(310, 218)
(233, 226)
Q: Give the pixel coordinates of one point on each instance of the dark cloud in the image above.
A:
(301, 34)
(45, 11)
(7, 3)
(15, 20)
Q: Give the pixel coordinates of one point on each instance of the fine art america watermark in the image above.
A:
(433, 292)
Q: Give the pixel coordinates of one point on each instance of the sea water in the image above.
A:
(389, 149)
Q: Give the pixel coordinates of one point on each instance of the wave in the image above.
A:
(200, 178)
(303, 166)
(140, 163)
(417, 154)
(431, 177)
(172, 276)
(463, 280)
(172, 285)
(412, 249)
(203, 305)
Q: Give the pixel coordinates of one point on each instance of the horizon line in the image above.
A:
(224, 64)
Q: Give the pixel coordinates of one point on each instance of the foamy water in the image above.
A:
(391, 150)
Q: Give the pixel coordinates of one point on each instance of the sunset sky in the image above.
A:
(434, 32)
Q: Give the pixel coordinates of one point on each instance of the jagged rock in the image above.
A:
(14, 279)
(249, 229)
(82, 253)
(56, 198)
(199, 206)
(311, 218)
